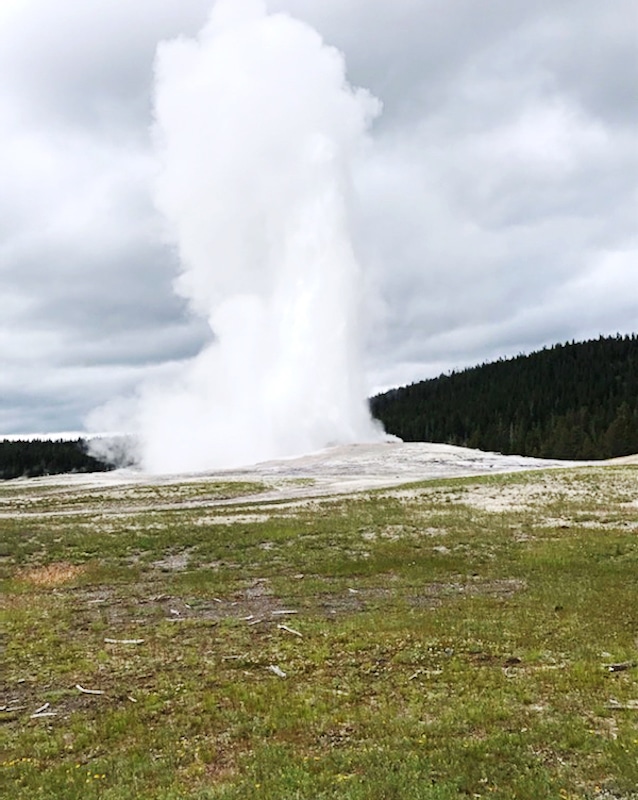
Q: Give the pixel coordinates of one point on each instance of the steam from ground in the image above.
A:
(256, 129)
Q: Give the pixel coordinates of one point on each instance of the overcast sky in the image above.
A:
(496, 205)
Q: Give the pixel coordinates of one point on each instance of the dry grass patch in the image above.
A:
(51, 574)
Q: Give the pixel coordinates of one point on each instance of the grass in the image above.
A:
(454, 641)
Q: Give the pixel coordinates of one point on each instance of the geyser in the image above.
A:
(256, 131)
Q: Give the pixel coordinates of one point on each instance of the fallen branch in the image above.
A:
(44, 714)
(290, 630)
(87, 691)
(622, 666)
(42, 708)
(283, 612)
(124, 641)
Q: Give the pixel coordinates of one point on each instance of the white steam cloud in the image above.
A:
(256, 130)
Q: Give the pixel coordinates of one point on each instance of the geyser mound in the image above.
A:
(256, 132)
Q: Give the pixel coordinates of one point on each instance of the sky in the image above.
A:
(495, 204)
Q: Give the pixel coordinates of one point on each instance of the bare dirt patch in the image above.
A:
(519, 497)
(175, 562)
(232, 519)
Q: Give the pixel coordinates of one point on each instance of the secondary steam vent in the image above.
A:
(256, 128)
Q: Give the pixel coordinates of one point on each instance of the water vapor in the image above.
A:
(256, 129)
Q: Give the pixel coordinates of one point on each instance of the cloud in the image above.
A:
(495, 202)
(86, 273)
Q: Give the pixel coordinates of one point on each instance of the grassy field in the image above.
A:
(452, 639)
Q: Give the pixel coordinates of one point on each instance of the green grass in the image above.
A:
(453, 642)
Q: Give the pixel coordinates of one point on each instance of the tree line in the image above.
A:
(571, 401)
(32, 458)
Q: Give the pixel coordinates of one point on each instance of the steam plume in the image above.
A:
(256, 129)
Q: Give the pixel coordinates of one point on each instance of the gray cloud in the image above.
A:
(496, 203)
(89, 65)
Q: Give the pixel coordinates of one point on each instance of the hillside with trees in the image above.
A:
(32, 458)
(572, 401)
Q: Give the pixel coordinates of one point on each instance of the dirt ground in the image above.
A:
(289, 483)
(335, 470)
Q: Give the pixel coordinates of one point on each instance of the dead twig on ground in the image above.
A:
(123, 641)
(87, 691)
(630, 705)
(621, 666)
(277, 670)
(290, 630)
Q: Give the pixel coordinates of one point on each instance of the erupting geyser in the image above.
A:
(256, 129)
